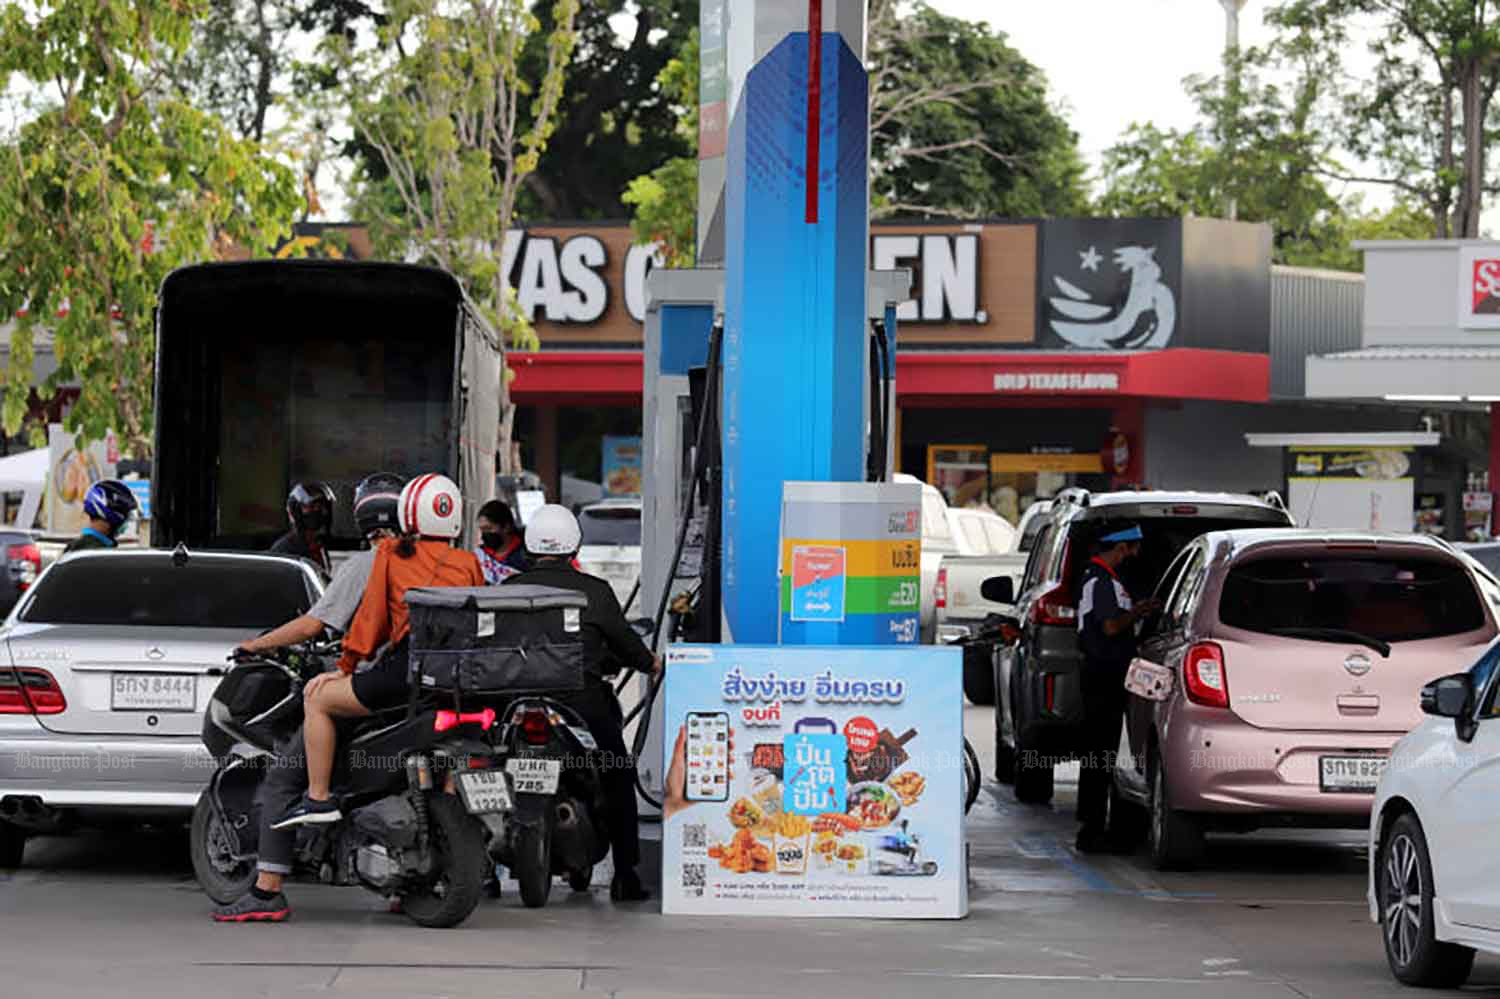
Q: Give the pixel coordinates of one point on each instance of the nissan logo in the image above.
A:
(1357, 665)
(155, 653)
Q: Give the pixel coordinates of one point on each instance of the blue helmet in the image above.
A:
(110, 501)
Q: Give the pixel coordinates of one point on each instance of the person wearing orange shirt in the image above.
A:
(431, 518)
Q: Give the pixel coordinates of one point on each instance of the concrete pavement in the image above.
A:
(1268, 916)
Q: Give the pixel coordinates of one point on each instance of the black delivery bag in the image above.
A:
(496, 639)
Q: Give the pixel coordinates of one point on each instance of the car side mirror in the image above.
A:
(1449, 696)
(998, 590)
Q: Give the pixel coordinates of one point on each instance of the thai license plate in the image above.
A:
(152, 692)
(534, 776)
(1341, 774)
(484, 791)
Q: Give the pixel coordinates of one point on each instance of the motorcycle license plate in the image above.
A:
(534, 776)
(484, 792)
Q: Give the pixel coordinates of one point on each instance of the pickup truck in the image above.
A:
(962, 608)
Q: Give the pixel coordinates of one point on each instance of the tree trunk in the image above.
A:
(1471, 190)
(1443, 191)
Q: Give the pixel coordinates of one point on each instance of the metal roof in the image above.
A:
(1416, 354)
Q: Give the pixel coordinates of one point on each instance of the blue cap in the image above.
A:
(1131, 533)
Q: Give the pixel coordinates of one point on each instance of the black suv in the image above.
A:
(1038, 703)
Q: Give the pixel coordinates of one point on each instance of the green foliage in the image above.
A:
(1331, 245)
(960, 122)
(456, 125)
(665, 201)
(110, 181)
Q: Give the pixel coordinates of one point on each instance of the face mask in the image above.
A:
(314, 520)
(493, 540)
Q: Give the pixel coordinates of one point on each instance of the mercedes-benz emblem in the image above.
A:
(155, 653)
(1357, 665)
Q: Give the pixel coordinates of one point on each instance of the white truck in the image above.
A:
(960, 608)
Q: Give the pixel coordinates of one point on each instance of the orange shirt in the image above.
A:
(382, 615)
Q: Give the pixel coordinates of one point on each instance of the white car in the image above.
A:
(612, 545)
(1434, 881)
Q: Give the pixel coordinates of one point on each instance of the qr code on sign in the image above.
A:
(695, 836)
(694, 875)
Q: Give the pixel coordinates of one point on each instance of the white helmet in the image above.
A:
(553, 530)
(432, 507)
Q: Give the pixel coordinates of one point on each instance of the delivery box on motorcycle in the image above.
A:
(497, 639)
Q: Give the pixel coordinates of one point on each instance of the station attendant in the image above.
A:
(1106, 636)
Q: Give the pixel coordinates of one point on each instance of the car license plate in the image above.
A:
(153, 692)
(1339, 774)
(534, 776)
(484, 791)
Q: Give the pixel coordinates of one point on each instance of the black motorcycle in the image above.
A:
(419, 787)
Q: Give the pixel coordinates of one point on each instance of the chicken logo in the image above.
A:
(1145, 319)
(1486, 288)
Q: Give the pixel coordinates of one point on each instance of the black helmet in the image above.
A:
(110, 501)
(376, 500)
(306, 494)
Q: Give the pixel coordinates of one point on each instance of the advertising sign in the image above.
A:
(851, 563)
(142, 490)
(621, 474)
(1477, 509)
(844, 787)
(70, 472)
(1479, 287)
(1357, 488)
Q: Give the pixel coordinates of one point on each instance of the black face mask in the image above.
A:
(493, 540)
(315, 521)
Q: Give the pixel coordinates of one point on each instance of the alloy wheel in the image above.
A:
(1402, 898)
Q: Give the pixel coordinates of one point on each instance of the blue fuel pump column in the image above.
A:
(796, 225)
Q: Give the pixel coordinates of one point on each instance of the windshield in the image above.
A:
(128, 590)
(611, 526)
(1387, 598)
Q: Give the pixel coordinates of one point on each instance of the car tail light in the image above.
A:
(1184, 510)
(534, 727)
(940, 595)
(1204, 676)
(25, 564)
(30, 691)
(1053, 607)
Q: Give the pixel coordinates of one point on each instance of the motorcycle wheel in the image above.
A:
(458, 841)
(222, 878)
(533, 863)
(581, 881)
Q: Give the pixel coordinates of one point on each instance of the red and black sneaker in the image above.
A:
(249, 909)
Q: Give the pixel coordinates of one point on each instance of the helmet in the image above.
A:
(375, 502)
(305, 494)
(431, 506)
(110, 501)
(553, 530)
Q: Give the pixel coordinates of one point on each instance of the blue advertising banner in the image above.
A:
(841, 793)
(621, 474)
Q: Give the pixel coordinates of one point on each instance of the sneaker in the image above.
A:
(627, 887)
(309, 812)
(249, 909)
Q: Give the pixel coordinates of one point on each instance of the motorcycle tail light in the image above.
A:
(534, 727)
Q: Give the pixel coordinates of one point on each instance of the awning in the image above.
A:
(974, 378)
(1407, 374)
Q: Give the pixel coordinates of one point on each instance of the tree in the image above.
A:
(960, 122)
(614, 123)
(457, 127)
(110, 181)
(666, 199)
(1424, 118)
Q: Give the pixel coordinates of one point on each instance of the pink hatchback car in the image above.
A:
(1286, 663)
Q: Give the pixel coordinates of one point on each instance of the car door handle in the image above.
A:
(1358, 704)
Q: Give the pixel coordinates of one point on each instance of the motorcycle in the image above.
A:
(418, 786)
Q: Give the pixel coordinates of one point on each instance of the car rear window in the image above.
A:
(1165, 538)
(127, 590)
(611, 526)
(1389, 598)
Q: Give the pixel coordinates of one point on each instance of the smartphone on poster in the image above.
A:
(708, 756)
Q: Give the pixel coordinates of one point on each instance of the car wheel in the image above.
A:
(1176, 839)
(979, 677)
(12, 845)
(1128, 821)
(1412, 949)
(1033, 772)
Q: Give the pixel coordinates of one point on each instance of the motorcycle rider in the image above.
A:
(108, 505)
(501, 551)
(309, 508)
(553, 538)
(375, 500)
(430, 511)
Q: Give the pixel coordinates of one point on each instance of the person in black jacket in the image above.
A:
(552, 539)
(309, 508)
